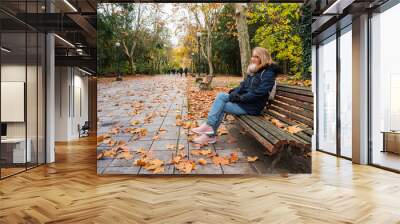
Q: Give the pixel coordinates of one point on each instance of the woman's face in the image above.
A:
(255, 59)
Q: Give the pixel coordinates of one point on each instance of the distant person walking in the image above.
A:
(181, 71)
(185, 71)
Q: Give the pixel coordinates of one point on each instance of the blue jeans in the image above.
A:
(221, 106)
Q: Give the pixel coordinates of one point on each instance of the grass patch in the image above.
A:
(232, 84)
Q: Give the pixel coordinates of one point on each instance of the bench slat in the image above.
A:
(270, 137)
(268, 126)
(305, 92)
(287, 121)
(292, 116)
(295, 110)
(304, 105)
(289, 139)
(295, 96)
(271, 149)
(294, 87)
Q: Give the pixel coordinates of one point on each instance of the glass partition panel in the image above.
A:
(32, 98)
(346, 92)
(41, 99)
(14, 153)
(327, 95)
(385, 89)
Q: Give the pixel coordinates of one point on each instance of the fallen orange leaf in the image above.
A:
(252, 158)
(234, 157)
(180, 147)
(202, 161)
(293, 129)
(220, 160)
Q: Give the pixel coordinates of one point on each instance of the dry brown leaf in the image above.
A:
(234, 157)
(182, 153)
(176, 159)
(277, 123)
(294, 129)
(202, 161)
(156, 137)
(181, 146)
(135, 122)
(252, 158)
(109, 142)
(230, 117)
(153, 164)
(114, 130)
(190, 138)
(170, 146)
(160, 169)
(142, 150)
(198, 152)
(220, 160)
(212, 154)
(178, 123)
(140, 162)
(185, 166)
(125, 155)
(100, 138)
(121, 148)
(121, 142)
(222, 130)
(187, 124)
(100, 156)
(109, 153)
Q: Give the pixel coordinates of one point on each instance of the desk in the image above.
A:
(16, 147)
(391, 141)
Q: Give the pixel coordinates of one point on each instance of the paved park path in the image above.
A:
(156, 101)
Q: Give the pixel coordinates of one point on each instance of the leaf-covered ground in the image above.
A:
(143, 128)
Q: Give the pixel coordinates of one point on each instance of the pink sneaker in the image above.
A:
(203, 129)
(205, 139)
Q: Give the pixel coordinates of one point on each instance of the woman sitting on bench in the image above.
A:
(249, 98)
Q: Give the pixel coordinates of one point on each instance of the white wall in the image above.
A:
(70, 84)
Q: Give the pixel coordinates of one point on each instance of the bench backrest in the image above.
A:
(208, 78)
(293, 105)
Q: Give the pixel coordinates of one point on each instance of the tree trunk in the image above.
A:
(209, 53)
(131, 66)
(243, 36)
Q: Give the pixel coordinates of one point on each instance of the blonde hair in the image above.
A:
(264, 55)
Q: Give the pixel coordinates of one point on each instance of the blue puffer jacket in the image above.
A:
(254, 90)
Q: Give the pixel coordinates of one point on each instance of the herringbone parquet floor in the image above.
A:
(70, 191)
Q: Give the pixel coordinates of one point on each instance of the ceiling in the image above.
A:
(74, 22)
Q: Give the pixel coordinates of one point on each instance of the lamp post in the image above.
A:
(117, 45)
(198, 34)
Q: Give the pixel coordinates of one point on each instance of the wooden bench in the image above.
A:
(291, 107)
(205, 83)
